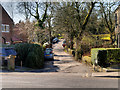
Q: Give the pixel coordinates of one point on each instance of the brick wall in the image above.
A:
(6, 19)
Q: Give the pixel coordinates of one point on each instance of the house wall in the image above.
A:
(6, 19)
(0, 24)
(117, 27)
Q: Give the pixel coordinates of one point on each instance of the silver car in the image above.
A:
(48, 54)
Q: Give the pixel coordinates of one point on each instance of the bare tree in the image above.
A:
(107, 15)
(33, 9)
(22, 8)
(73, 18)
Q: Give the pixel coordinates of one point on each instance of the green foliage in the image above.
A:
(5, 45)
(102, 59)
(105, 56)
(86, 59)
(89, 42)
(113, 55)
(94, 54)
(31, 55)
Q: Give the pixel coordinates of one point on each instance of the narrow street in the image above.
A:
(63, 72)
(65, 63)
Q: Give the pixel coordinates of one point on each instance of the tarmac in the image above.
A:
(112, 74)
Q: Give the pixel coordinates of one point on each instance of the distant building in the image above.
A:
(117, 25)
(6, 26)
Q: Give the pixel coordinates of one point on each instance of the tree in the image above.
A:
(39, 12)
(64, 22)
(22, 8)
(107, 15)
(33, 9)
(73, 17)
(82, 26)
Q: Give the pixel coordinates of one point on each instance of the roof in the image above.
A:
(7, 13)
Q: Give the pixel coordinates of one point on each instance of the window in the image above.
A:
(5, 28)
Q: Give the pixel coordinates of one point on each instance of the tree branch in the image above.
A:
(88, 15)
(45, 14)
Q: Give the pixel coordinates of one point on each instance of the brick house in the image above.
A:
(117, 25)
(6, 26)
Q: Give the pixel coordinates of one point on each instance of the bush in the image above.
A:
(86, 59)
(105, 56)
(113, 55)
(31, 55)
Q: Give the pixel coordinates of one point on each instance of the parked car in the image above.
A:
(55, 40)
(64, 43)
(4, 54)
(48, 54)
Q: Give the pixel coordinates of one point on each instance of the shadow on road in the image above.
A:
(62, 55)
(109, 76)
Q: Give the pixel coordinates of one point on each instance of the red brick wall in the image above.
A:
(6, 19)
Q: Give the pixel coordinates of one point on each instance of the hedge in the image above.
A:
(31, 55)
(105, 56)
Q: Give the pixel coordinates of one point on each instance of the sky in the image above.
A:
(11, 9)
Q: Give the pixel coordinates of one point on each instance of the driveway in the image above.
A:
(65, 63)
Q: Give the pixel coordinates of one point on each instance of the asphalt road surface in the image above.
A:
(63, 72)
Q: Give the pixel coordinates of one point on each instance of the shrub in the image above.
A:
(94, 54)
(31, 55)
(113, 55)
(86, 59)
(105, 56)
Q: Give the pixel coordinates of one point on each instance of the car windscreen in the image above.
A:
(48, 51)
(64, 41)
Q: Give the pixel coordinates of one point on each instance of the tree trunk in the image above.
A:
(78, 52)
(112, 39)
(50, 36)
(71, 43)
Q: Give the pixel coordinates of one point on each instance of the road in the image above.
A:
(63, 72)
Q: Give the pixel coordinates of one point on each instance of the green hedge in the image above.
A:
(105, 56)
(31, 55)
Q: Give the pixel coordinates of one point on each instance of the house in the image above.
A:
(6, 26)
(117, 25)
